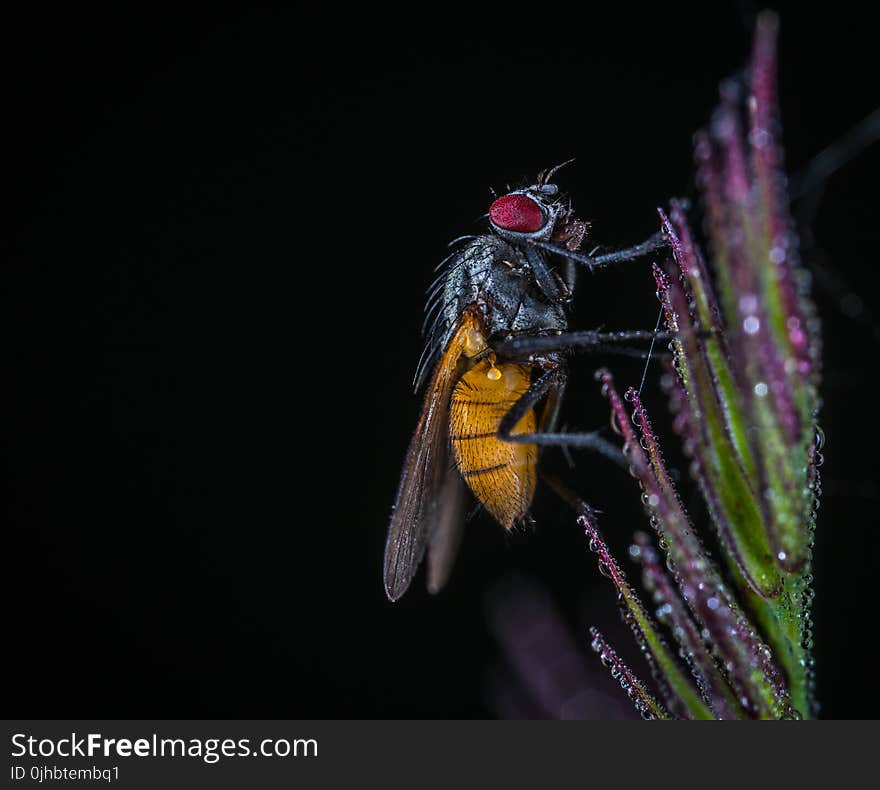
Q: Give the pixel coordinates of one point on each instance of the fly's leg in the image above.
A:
(552, 407)
(552, 379)
(615, 342)
(551, 384)
(593, 262)
(554, 288)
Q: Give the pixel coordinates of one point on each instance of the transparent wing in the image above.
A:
(420, 515)
(447, 529)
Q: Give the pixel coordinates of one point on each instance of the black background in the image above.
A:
(222, 228)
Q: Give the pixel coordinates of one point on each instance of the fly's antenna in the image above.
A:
(545, 176)
(651, 350)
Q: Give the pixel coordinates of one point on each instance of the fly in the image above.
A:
(497, 330)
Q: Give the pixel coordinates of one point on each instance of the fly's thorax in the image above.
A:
(495, 275)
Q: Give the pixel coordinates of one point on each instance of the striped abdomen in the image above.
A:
(502, 475)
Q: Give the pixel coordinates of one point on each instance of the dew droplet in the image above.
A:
(777, 254)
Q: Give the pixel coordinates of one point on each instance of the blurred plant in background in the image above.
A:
(743, 387)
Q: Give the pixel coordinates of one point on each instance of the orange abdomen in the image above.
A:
(502, 475)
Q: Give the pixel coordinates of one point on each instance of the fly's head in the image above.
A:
(536, 213)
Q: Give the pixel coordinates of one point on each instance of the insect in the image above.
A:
(496, 332)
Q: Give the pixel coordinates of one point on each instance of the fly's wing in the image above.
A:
(419, 509)
(415, 506)
(447, 530)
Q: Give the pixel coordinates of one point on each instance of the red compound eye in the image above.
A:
(518, 213)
